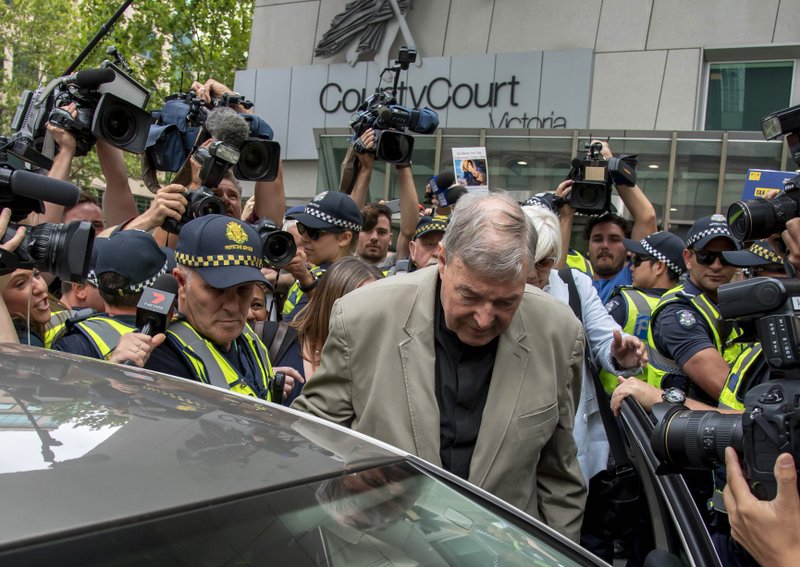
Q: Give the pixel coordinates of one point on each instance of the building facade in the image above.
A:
(681, 83)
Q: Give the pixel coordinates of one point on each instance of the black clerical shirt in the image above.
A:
(463, 375)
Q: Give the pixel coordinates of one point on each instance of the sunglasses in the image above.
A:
(313, 233)
(639, 258)
(707, 258)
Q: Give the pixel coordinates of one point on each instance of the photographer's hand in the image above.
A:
(169, 202)
(769, 530)
(791, 237)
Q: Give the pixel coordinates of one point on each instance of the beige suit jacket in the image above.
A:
(378, 377)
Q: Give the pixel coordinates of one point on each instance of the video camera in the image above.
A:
(389, 119)
(759, 218)
(593, 175)
(60, 249)
(770, 424)
(109, 106)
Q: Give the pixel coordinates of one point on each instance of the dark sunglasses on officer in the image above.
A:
(707, 258)
(639, 258)
(314, 233)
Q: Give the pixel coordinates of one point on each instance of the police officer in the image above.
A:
(692, 345)
(218, 266)
(656, 267)
(423, 249)
(329, 227)
(127, 263)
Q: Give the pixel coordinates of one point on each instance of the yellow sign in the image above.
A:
(761, 191)
(755, 176)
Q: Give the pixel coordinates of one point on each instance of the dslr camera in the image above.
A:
(109, 106)
(770, 425)
(593, 175)
(759, 218)
(279, 247)
(60, 249)
(389, 119)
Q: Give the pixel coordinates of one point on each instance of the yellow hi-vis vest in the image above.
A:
(104, 332)
(210, 367)
(744, 364)
(660, 365)
(57, 326)
(295, 293)
(640, 305)
(579, 262)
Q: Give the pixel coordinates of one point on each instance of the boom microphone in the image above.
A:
(34, 186)
(224, 123)
(89, 78)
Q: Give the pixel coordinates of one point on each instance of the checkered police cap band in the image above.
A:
(91, 278)
(759, 250)
(330, 219)
(130, 289)
(435, 224)
(656, 254)
(218, 260)
(715, 231)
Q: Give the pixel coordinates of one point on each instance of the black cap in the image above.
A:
(663, 246)
(706, 229)
(134, 255)
(543, 200)
(225, 251)
(760, 253)
(97, 245)
(430, 224)
(330, 210)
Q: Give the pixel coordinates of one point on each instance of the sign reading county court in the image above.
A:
(549, 89)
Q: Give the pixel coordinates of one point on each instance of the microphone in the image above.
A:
(445, 179)
(34, 186)
(89, 78)
(154, 309)
(225, 124)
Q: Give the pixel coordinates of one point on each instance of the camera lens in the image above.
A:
(393, 147)
(202, 202)
(61, 249)
(118, 126)
(696, 439)
(279, 248)
(759, 218)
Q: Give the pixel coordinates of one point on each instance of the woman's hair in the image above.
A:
(548, 228)
(342, 277)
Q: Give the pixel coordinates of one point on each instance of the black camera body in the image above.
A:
(770, 425)
(60, 249)
(593, 175)
(389, 119)
(109, 106)
(201, 202)
(759, 218)
(278, 245)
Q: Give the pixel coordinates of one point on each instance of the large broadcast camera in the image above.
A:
(63, 250)
(758, 218)
(109, 106)
(767, 309)
(389, 119)
(593, 175)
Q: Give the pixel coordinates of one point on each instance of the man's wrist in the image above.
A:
(400, 166)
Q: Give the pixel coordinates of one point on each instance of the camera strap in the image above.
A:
(622, 461)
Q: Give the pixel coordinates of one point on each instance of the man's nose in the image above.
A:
(484, 317)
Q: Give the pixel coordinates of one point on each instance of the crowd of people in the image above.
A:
(483, 342)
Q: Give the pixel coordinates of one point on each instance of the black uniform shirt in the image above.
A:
(463, 375)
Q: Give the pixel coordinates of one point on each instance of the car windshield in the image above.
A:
(389, 515)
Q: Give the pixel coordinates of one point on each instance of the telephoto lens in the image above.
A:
(279, 245)
(63, 250)
(760, 218)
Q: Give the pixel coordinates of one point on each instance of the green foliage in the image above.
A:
(168, 45)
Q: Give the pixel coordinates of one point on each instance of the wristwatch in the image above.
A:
(673, 396)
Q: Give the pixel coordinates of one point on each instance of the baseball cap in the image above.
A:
(760, 253)
(330, 210)
(662, 245)
(430, 224)
(706, 229)
(97, 246)
(225, 251)
(134, 255)
(544, 200)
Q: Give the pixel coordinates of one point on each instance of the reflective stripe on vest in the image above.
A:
(104, 332)
(295, 293)
(736, 377)
(659, 364)
(579, 262)
(212, 368)
(639, 306)
(57, 325)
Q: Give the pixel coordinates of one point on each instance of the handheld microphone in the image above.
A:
(225, 124)
(154, 309)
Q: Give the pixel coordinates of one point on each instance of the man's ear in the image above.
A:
(687, 258)
(442, 263)
(79, 290)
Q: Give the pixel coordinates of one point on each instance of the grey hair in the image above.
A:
(549, 230)
(492, 236)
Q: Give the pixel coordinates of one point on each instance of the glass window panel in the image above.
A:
(744, 155)
(332, 152)
(526, 166)
(694, 192)
(740, 94)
